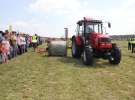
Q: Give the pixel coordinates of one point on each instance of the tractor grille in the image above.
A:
(104, 40)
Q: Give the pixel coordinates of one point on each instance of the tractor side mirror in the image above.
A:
(109, 24)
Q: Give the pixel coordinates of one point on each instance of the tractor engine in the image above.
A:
(100, 41)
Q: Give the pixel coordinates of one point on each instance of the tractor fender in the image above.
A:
(115, 54)
(115, 46)
(76, 49)
(77, 39)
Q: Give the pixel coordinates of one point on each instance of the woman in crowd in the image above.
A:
(19, 44)
(30, 41)
(5, 49)
(27, 41)
(22, 43)
(14, 43)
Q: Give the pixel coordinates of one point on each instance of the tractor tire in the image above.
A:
(87, 56)
(76, 50)
(115, 56)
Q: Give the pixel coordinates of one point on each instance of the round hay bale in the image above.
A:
(57, 48)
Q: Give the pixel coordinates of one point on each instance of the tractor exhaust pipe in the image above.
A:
(66, 38)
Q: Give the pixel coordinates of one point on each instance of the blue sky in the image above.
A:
(50, 17)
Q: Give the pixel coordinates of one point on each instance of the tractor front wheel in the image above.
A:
(87, 56)
(76, 50)
(115, 57)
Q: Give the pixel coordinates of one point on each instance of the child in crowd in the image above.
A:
(5, 48)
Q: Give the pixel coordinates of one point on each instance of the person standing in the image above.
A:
(133, 45)
(5, 49)
(1, 38)
(19, 43)
(1, 52)
(22, 43)
(27, 42)
(129, 44)
(34, 41)
(30, 41)
(14, 41)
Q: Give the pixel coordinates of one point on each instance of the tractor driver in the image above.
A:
(89, 29)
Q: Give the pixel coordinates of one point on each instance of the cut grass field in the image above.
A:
(33, 76)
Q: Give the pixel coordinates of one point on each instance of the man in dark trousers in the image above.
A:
(129, 44)
(133, 45)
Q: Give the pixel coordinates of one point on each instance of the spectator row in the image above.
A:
(13, 44)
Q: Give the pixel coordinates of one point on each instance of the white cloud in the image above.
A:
(128, 4)
(28, 26)
(55, 6)
(122, 18)
(32, 26)
(71, 11)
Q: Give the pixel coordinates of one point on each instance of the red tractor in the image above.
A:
(90, 43)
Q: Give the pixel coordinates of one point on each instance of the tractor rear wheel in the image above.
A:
(87, 56)
(76, 50)
(115, 55)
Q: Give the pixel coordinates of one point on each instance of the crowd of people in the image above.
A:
(131, 45)
(13, 44)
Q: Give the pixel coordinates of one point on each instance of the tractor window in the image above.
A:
(80, 30)
(89, 29)
(98, 28)
(94, 28)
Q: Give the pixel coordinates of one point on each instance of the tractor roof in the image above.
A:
(89, 20)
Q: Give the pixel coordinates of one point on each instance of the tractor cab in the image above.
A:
(91, 25)
(93, 33)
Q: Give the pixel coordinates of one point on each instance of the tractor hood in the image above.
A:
(99, 35)
(97, 38)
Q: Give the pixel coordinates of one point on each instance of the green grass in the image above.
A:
(33, 76)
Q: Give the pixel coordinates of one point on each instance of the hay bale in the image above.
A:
(57, 48)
